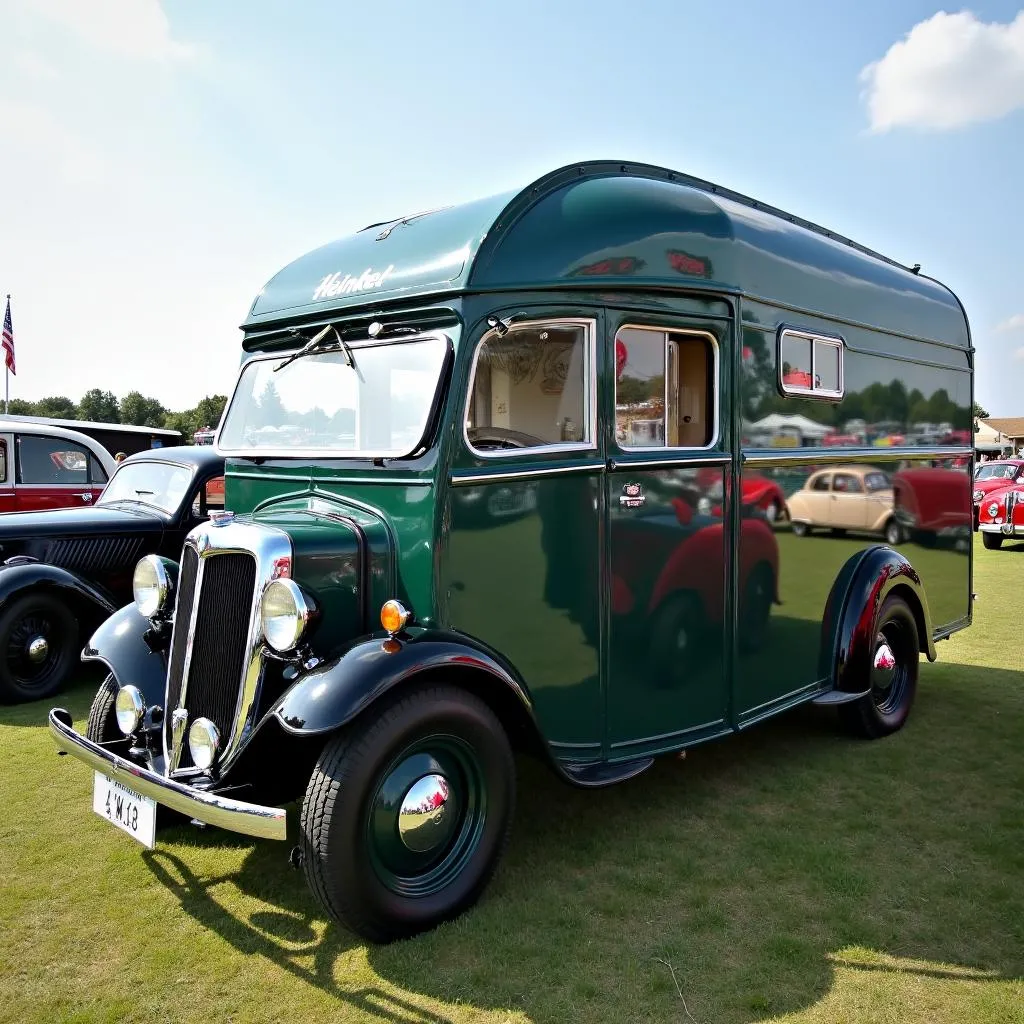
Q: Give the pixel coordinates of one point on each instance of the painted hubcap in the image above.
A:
(887, 676)
(38, 649)
(424, 821)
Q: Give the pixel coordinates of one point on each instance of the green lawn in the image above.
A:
(787, 874)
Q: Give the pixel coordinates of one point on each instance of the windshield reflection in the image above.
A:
(158, 484)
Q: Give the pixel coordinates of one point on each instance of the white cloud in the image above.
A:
(45, 142)
(949, 71)
(1013, 323)
(130, 28)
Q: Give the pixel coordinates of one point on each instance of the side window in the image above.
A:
(97, 474)
(821, 483)
(847, 484)
(51, 460)
(811, 364)
(3, 462)
(664, 389)
(531, 388)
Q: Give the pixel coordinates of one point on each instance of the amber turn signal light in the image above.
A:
(394, 616)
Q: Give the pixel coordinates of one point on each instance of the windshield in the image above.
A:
(320, 403)
(997, 471)
(159, 484)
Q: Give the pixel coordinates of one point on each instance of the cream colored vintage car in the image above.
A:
(858, 498)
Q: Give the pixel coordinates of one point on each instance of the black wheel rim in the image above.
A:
(890, 672)
(412, 868)
(33, 651)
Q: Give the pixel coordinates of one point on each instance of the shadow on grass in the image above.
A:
(740, 878)
(76, 697)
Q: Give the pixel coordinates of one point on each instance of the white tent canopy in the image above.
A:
(776, 421)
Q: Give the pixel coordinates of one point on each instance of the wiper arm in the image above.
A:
(137, 491)
(311, 346)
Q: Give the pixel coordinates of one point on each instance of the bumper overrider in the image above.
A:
(211, 808)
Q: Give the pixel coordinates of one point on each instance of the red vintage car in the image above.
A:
(995, 476)
(759, 492)
(1001, 515)
(932, 504)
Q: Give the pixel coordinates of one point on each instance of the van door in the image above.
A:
(7, 498)
(667, 537)
(522, 567)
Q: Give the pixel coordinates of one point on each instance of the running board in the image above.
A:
(833, 697)
(593, 776)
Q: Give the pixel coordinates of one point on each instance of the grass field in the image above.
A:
(786, 874)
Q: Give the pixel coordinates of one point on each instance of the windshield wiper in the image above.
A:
(311, 346)
(138, 491)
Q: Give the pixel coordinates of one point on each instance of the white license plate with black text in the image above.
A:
(124, 808)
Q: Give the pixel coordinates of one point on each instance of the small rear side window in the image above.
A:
(810, 364)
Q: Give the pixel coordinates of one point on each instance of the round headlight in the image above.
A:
(151, 586)
(978, 495)
(993, 509)
(284, 614)
(203, 742)
(129, 707)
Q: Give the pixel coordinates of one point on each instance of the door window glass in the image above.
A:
(51, 460)
(847, 484)
(3, 462)
(820, 483)
(531, 389)
(664, 389)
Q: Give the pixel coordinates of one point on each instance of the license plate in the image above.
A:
(124, 808)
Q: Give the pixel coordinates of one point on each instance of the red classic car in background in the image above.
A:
(759, 492)
(932, 504)
(995, 476)
(1001, 515)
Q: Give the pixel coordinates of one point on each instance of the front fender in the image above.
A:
(123, 644)
(334, 692)
(15, 580)
(863, 584)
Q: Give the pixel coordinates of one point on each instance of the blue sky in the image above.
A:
(160, 160)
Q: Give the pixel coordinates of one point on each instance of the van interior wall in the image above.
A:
(528, 407)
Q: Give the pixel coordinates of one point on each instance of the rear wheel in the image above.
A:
(893, 533)
(993, 541)
(673, 643)
(892, 678)
(407, 814)
(38, 645)
(773, 512)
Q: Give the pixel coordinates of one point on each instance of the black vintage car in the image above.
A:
(63, 571)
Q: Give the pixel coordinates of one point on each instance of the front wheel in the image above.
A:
(893, 533)
(38, 648)
(992, 541)
(407, 814)
(892, 675)
(801, 529)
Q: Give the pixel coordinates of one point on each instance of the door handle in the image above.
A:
(86, 496)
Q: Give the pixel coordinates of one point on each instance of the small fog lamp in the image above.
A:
(203, 742)
(129, 708)
(285, 613)
(993, 509)
(393, 616)
(152, 586)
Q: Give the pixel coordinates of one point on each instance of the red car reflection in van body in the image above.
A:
(932, 505)
(758, 492)
(1001, 515)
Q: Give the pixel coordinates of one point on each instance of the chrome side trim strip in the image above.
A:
(220, 811)
(790, 457)
(685, 459)
(485, 477)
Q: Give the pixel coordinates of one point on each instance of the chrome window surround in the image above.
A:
(332, 453)
(268, 546)
(589, 443)
(829, 340)
(715, 404)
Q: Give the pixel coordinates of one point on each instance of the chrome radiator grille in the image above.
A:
(216, 659)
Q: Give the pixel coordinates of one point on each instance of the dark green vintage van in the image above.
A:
(614, 465)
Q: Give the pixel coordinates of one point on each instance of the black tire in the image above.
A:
(354, 858)
(36, 616)
(992, 541)
(800, 529)
(885, 709)
(674, 629)
(102, 724)
(756, 609)
(893, 533)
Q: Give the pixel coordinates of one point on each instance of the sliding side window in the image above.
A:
(810, 364)
(665, 389)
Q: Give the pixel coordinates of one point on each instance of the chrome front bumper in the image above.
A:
(1003, 528)
(221, 811)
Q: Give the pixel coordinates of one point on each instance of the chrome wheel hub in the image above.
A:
(884, 666)
(38, 648)
(423, 823)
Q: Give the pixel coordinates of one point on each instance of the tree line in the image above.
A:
(134, 408)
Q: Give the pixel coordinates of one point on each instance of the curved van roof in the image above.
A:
(620, 225)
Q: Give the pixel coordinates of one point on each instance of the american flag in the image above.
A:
(8, 338)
